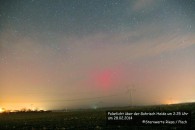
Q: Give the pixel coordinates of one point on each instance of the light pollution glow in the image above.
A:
(1, 110)
(73, 54)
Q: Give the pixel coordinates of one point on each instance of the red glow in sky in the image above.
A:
(106, 79)
(60, 53)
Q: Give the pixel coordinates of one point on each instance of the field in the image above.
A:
(83, 119)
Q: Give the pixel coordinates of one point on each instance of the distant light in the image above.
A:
(1, 110)
(94, 107)
(171, 101)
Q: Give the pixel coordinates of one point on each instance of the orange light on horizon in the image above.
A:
(21, 105)
(171, 101)
(1, 110)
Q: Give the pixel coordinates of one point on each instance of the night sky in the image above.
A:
(57, 54)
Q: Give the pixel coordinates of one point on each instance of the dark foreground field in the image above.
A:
(84, 119)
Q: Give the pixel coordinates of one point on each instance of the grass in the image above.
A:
(82, 119)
